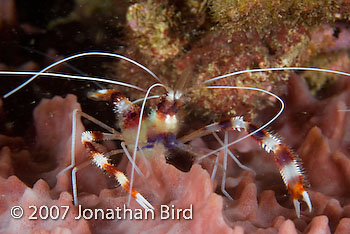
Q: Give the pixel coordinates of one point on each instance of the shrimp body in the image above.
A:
(160, 125)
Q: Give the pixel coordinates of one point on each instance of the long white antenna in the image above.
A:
(276, 69)
(138, 135)
(66, 76)
(78, 56)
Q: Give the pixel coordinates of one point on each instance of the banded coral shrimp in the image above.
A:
(89, 137)
(259, 70)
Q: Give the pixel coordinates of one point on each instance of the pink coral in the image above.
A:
(255, 207)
